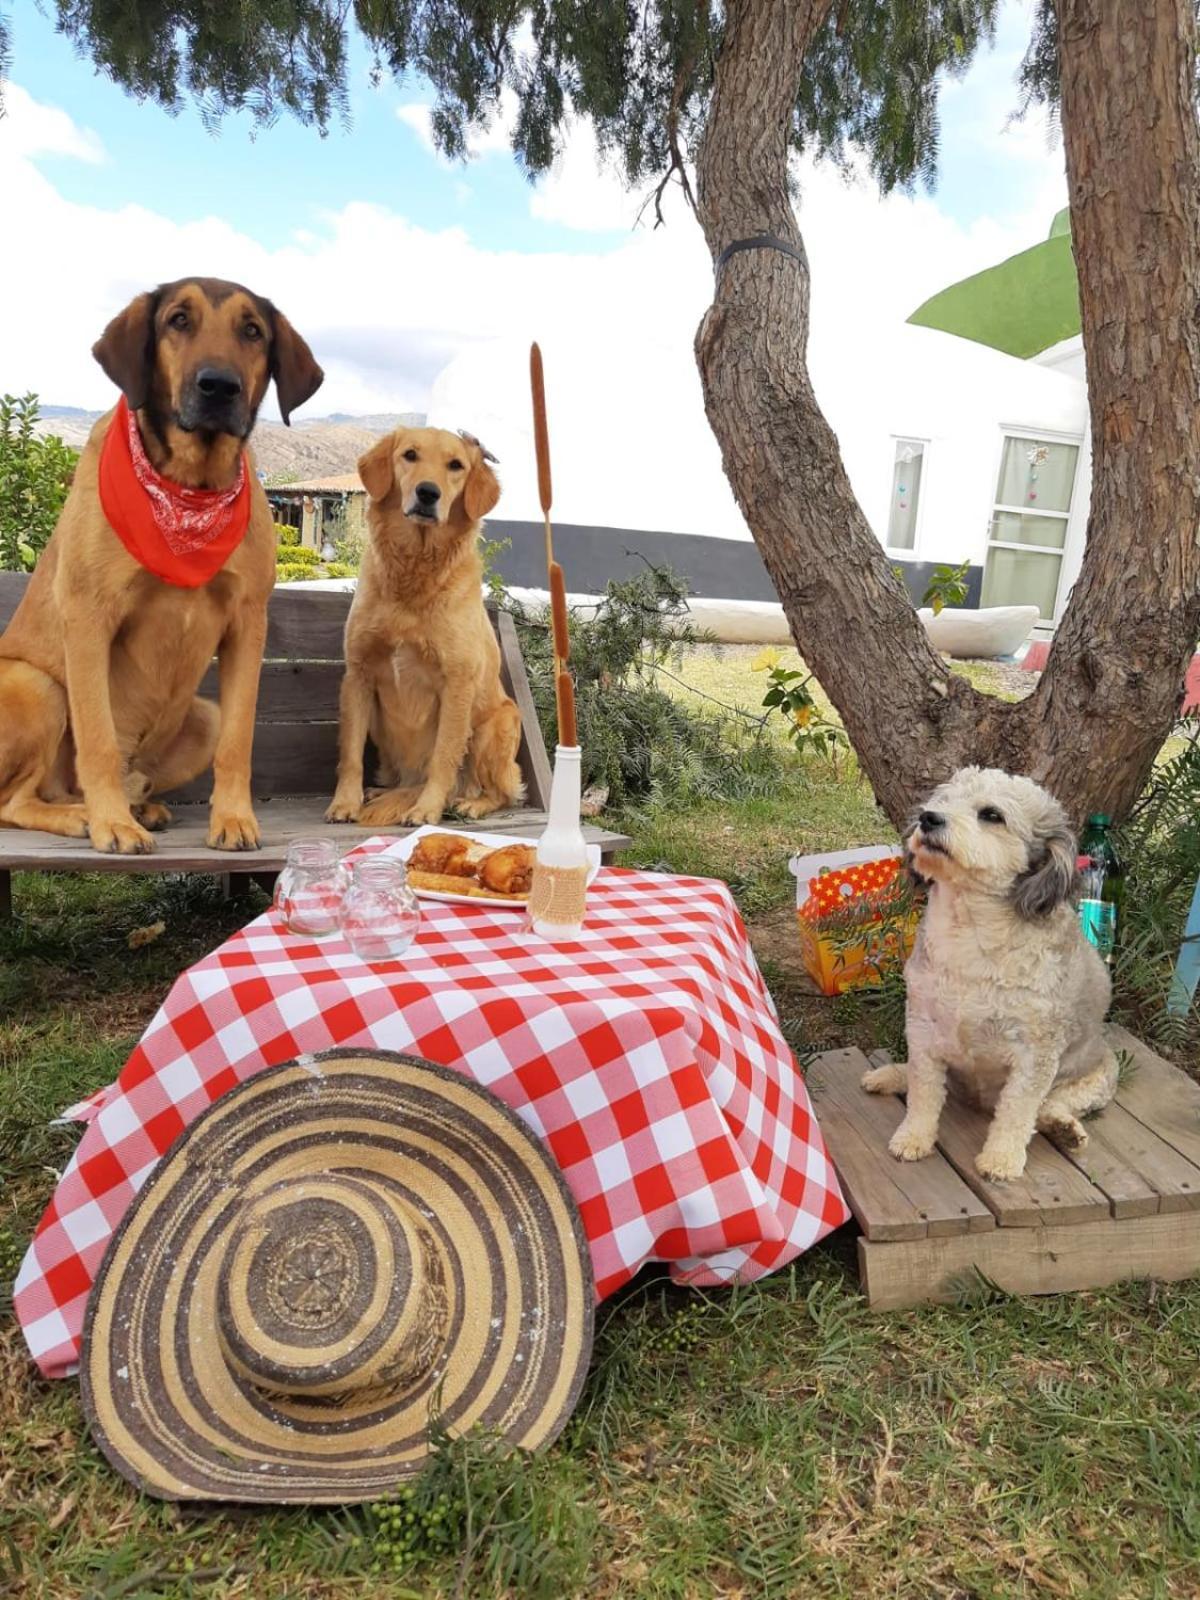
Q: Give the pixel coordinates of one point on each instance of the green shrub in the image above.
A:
(348, 546)
(35, 475)
(639, 742)
(1159, 844)
(339, 569)
(299, 555)
(286, 535)
(290, 572)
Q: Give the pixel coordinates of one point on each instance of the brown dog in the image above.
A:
(100, 665)
(422, 662)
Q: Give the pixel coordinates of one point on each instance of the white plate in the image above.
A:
(403, 848)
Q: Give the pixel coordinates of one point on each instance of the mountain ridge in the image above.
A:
(313, 447)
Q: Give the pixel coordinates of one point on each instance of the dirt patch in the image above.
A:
(775, 939)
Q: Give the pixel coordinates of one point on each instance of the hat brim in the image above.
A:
(167, 1399)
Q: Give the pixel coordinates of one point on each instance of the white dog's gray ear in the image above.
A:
(1050, 876)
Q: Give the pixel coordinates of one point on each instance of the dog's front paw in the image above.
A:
(426, 809)
(482, 806)
(1000, 1163)
(233, 830)
(912, 1144)
(387, 808)
(892, 1078)
(344, 808)
(1063, 1130)
(119, 836)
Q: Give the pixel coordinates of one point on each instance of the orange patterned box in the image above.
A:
(855, 918)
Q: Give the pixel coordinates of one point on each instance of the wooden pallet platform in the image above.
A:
(1126, 1206)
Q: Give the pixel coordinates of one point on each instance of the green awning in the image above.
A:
(1022, 306)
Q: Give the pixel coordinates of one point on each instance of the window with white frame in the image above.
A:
(1029, 522)
(908, 466)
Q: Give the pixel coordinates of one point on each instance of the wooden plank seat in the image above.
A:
(1125, 1206)
(295, 757)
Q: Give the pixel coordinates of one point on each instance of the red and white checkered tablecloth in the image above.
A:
(647, 1055)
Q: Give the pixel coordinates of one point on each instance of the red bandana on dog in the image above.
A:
(183, 536)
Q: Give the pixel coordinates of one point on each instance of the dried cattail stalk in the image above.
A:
(558, 613)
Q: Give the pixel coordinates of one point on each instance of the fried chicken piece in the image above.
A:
(448, 854)
(508, 870)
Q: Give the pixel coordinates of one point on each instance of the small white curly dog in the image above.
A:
(1005, 995)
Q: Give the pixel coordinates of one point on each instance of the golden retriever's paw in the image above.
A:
(152, 816)
(229, 830)
(911, 1144)
(480, 807)
(421, 815)
(892, 1078)
(387, 808)
(424, 811)
(343, 809)
(1000, 1164)
(119, 836)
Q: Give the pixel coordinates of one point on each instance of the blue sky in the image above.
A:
(269, 181)
(401, 268)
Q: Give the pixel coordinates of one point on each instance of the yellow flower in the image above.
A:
(765, 660)
(804, 716)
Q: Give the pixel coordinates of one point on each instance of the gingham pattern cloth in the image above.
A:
(647, 1055)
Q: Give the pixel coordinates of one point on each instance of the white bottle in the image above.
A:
(558, 896)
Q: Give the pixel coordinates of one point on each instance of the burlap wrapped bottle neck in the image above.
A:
(558, 894)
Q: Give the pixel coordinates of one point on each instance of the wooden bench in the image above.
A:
(295, 757)
(1125, 1206)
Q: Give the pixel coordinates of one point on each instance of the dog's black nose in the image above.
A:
(218, 384)
(428, 494)
(931, 821)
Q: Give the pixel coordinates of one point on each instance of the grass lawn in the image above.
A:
(771, 1442)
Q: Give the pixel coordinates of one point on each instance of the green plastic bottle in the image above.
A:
(1103, 900)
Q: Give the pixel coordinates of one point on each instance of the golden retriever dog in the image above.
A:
(422, 662)
(100, 665)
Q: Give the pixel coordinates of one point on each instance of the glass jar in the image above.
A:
(380, 912)
(311, 886)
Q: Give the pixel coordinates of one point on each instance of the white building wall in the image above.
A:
(632, 448)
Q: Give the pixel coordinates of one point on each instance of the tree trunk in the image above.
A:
(1115, 678)
(1107, 700)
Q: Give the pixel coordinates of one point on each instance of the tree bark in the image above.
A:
(1110, 693)
(1115, 678)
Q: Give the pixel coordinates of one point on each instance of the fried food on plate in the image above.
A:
(445, 883)
(508, 870)
(448, 854)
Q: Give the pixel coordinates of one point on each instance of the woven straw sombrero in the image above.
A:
(335, 1255)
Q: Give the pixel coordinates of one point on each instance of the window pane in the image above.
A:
(1034, 472)
(1021, 578)
(1010, 527)
(906, 491)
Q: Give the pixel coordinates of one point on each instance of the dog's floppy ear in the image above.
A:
(377, 468)
(482, 489)
(1050, 876)
(126, 350)
(296, 373)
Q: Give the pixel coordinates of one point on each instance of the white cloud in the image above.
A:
(495, 137)
(389, 305)
(30, 128)
(578, 192)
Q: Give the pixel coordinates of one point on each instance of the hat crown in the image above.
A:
(330, 1289)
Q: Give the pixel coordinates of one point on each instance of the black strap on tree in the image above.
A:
(760, 241)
